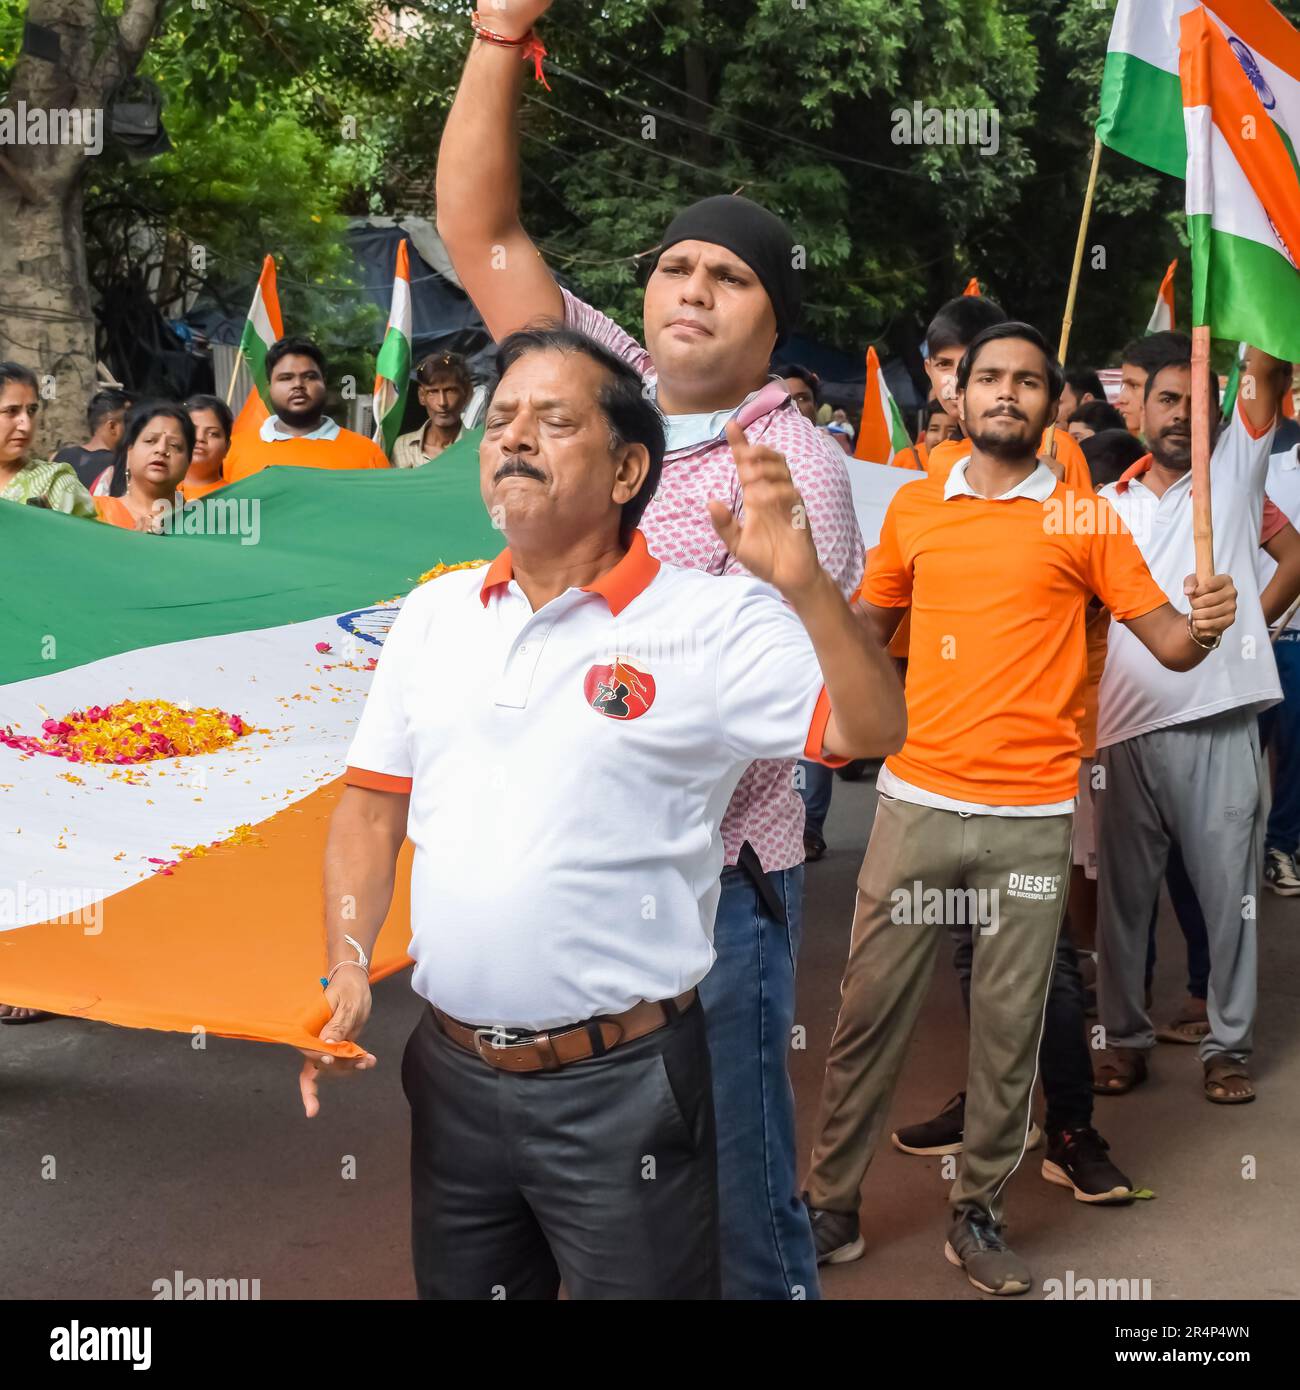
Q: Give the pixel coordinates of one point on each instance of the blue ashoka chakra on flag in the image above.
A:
(1251, 68)
(370, 624)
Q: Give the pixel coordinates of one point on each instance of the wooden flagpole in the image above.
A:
(234, 374)
(1067, 322)
(1202, 520)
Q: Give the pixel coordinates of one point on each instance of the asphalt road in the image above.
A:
(127, 1156)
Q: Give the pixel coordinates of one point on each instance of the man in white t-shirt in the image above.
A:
(1181, 755)
(559, 736)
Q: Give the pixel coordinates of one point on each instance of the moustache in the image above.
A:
(1007, 411)
(516, 467)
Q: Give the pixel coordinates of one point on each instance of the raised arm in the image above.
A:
(1263, 380)
(478, 182)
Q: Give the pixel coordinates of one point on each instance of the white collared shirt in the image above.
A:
(568, 770)
(1138, 694)
(1038, 485)
(272, 430)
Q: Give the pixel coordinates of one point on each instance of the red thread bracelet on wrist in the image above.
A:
(529, 45)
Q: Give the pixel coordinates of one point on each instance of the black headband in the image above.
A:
(757, 236)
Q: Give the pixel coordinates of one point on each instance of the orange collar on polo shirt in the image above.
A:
(1143, 465)
(618, 586)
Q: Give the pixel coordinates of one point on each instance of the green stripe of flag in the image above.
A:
(1244, 289)
(394, 365)
(1142, 113)
(328, 542)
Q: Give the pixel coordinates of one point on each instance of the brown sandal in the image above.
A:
(1189, 1025)
(1118, 1070)
(1220, 1073)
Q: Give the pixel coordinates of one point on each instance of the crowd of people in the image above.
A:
(1067, 714)
(143, 461)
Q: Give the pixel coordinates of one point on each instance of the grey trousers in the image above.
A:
(1005, 878)
(602, 1174)
(1203, 787)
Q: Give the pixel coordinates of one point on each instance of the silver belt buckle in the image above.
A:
(495, 1038)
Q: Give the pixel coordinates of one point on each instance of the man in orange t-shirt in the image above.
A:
(299, 434)
(973, 823)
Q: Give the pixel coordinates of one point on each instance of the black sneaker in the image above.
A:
(975, 1243)
(814, 847)
(1077, 1158)
(836, 1235)
(943, 1134)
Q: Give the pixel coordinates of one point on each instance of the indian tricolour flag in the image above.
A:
(883, 433)
(261, 328)
(184, 893)
(1162, 316)
(1141, 100)
(1243, 197)
(393, 369)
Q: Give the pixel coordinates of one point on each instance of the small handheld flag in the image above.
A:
(261, 328)
(393, 367)
(883, 433)
(1162, 316)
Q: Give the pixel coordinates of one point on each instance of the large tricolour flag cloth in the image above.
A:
(393, 369)
(1243, 197)
(1141, 100)
(188, 888)
(261, 328)
(1162, 316)
(883, 433)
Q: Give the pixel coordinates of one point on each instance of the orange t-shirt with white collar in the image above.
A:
(998, 593)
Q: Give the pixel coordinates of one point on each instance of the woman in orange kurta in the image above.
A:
(154, 455)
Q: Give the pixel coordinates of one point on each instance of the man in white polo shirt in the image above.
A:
(560, 736)
(1181, 754)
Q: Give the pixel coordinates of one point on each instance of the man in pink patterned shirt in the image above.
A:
(722, 294)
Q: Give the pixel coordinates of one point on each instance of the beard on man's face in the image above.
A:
(301, 415)
(1172, 447)
(1004, 433)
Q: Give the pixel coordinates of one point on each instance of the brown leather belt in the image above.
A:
(577, 1042)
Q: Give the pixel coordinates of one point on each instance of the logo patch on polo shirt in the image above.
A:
(619, 691)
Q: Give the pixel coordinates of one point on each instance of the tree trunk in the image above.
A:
(46, 319)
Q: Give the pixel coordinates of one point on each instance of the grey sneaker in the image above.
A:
(836, 1235)
(976, 1244)
(1280, 873)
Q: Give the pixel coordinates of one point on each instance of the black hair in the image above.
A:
(1109, 453)
(1012, 329)
(808, 378)
(1083, 381)
(1181, 361)
(103, 404)
(630, 414)
(1098, 415)
(225, 417)
(12, 373)
(934, 406)
(450, 364)
(293, 347)
(1156, 350)
(961, 321)
(137, 418)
